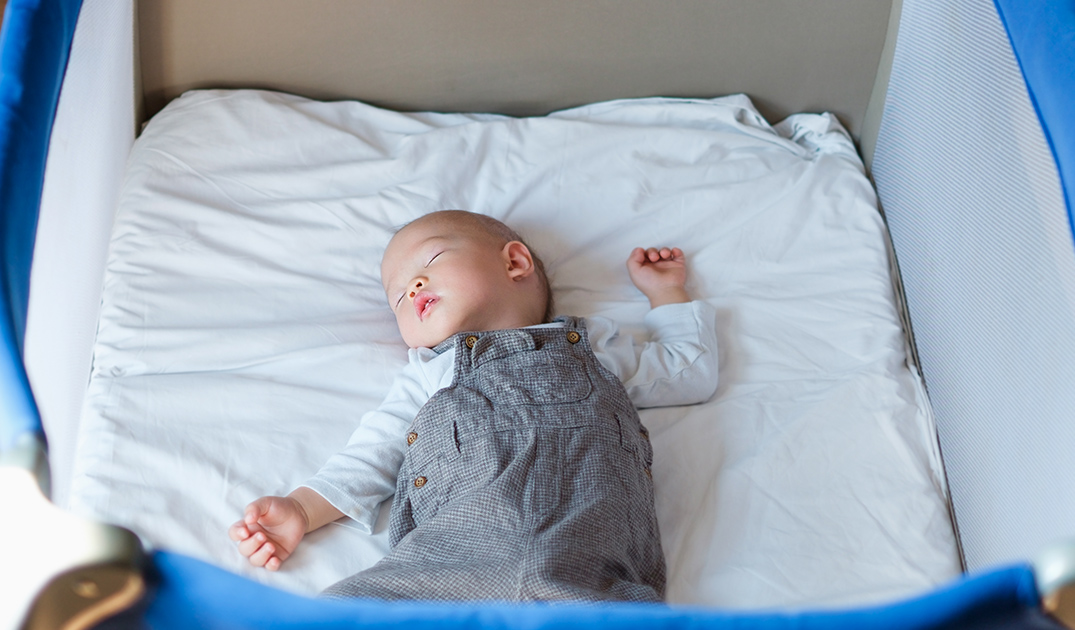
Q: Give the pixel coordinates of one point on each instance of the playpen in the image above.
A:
(960, 109)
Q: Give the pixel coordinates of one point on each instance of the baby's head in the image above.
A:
(453, 270)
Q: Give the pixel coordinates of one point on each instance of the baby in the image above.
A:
(512, 444)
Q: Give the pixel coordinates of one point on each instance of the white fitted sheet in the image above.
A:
(244, 330)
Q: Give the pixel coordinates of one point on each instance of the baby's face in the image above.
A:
(441, 279)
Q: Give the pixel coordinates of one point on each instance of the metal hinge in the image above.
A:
(58, 570)
(1054, 573)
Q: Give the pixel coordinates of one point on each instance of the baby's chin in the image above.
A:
(423, 335)
(425, 341)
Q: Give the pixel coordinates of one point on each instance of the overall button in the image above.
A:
(573, 336)
(420, 481)
(471, 340)
(411, 437)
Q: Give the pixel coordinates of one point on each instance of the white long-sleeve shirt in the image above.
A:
(676, 366)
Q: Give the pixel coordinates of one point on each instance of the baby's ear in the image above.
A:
(519, 260)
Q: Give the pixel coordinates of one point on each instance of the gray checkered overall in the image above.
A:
(526, 479)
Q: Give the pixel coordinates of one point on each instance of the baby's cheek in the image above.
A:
(404, 330)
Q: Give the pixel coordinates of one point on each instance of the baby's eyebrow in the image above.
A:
(433, 239)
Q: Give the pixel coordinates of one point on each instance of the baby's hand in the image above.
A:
(270, 530)
(661, 274)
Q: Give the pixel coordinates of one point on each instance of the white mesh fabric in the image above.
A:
(977, 217)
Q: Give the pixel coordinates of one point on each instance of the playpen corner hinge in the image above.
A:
(1054, 573)
(1060, 605)
(60, 570)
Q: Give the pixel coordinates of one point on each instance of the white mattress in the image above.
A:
(244, 330)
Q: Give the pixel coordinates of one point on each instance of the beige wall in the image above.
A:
(521, 57)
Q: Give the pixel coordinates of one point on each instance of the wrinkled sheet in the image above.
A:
(244, 330)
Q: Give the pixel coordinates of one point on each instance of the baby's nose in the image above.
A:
(415, 287)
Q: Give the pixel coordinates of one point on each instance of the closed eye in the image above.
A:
(433, 258)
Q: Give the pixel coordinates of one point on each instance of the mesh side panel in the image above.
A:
(978, 221)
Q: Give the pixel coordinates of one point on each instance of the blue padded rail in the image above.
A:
(192, 594)
(1042, 35)
(34, 45)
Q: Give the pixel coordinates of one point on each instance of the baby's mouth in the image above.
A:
(423, 303)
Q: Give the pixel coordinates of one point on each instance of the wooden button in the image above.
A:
(648, 474)
(573, 336)
(471, 340)
(411, 437)
(420, 481)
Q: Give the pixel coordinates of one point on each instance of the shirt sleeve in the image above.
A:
(357, 479)
(677, 365)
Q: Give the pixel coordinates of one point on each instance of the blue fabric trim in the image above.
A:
(1042, 34)
(192, 594)
(34, 46)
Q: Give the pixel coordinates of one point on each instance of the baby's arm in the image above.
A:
(661, 274)
(677, 364)
(273, 526)
(352, 483)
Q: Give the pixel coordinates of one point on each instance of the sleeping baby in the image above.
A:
(512, 443)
